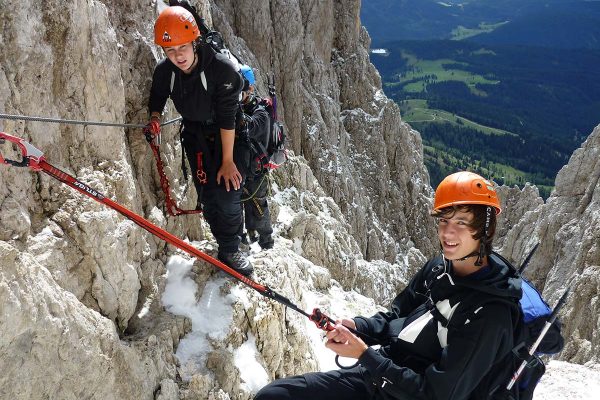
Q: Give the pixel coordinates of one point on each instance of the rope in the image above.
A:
(78, 122)
(171, 205)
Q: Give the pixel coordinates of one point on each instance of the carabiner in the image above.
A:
(32, 156)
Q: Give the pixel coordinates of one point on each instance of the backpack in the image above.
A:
(535, 313)
(266, 146)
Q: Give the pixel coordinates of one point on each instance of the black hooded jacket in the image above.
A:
(446, 337)
(218, 103)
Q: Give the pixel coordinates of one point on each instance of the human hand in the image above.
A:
(344, 343)
(152, 129)
(347, 322)
(230, 174)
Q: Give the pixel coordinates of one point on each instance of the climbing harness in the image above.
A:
(252, 196)
(34, 159)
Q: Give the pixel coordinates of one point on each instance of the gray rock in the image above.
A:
(567, 227)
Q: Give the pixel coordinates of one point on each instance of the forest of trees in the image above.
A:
(548, 98)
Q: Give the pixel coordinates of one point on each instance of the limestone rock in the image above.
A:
(53, 346)
(516, 204)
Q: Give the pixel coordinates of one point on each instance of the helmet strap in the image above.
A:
(194, 63)
(473, 254)
(481, 254)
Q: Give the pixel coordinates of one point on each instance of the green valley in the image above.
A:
(513, 113)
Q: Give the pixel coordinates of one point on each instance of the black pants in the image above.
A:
(256, 208)
(222, 209)
(351, 384)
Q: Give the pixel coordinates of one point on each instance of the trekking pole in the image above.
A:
(528, 258)
(540, 337)
(34, 159)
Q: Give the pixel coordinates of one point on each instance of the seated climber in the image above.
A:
(448, 334)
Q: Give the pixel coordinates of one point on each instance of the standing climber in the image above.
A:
(205, 89)
(448, 334)
(256, 208)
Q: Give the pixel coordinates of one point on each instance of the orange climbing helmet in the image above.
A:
(465, 188)
(175, 26)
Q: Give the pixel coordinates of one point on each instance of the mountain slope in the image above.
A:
(389, 20)
(561, 27)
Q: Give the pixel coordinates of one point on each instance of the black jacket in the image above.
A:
(257, 120)
(218, 103)
(446, 337)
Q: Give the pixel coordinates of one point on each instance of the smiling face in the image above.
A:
(182, 56)
(456, 235)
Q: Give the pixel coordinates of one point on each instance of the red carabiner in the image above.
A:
(32, 156)
(200, 173)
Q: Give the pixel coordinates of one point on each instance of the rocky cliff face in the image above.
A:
(82, 303)
(364, 156)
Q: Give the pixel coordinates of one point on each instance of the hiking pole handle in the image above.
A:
(539, 339)
(322, 320)
(31, 155)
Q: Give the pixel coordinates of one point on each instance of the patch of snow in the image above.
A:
(211, 315)
(252, 373)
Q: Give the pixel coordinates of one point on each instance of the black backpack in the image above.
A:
(267, 145)
(535, 313)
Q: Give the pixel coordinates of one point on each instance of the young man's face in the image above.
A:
(456, 236)
(182, 56)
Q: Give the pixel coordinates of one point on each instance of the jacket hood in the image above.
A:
(206, 54)
(501, 279)
(498, 279)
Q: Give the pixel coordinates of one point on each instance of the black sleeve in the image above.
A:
(470, 354)
(258, 123)
(161, 86)
(227, 92)
(378, 326)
